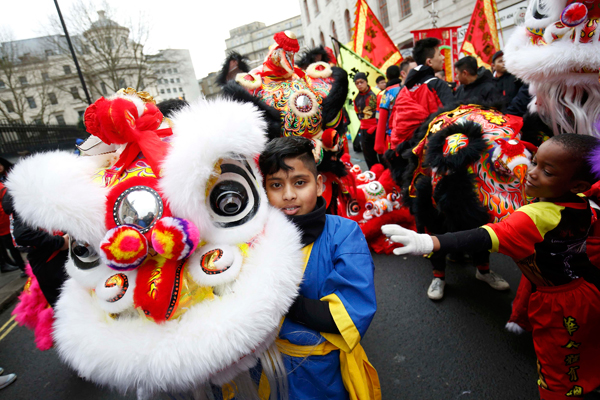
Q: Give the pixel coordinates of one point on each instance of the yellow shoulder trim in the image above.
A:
(349, 335)
(495, 241)
(545, 215)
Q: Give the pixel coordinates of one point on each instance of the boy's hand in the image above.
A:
(414, 243)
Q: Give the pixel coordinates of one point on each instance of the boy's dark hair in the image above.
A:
(468, 64)
(272, 159)
(406, 62)
(392, 72)
(379, 79)
(580, 148)
(169, 107)
(424, 49)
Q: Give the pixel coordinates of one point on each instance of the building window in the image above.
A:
(322, 39)
(45, 76)
(316, 7)
(2, 84)
(9, 106)
(157, 71)
(124, 41)
(174, 90)
(49, 53)
(75, 93)
(348, 24)
(109, 42)
(67, 69)
(162, 70)
(428, 2)
(177, 80)
(31, 102)
(23, 80)
(168, 90)
(60, 119)
(172, 80)
(122, 83)
(169, 71)
(404, 8)
(162, 91)
(306, 12)
(180, 90)
(103, 88)
(52, 98)
(383, 13)
(333, 30)
(175, 70)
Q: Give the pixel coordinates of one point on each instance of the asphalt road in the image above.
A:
(453, 349)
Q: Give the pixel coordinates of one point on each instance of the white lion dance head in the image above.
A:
(557, 52)
(180, 271)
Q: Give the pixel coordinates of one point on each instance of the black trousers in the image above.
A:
(7, 247)
(368, 148)
(438, 260)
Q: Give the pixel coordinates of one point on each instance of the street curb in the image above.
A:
(10, 292)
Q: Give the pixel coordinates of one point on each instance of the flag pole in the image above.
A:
(363, 60)
(499, 24)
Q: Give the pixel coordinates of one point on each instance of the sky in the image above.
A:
(201, 26)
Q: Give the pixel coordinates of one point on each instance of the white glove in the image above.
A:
(414, 243)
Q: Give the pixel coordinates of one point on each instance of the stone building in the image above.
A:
(324, 18)
(39, 82)
(175, 76)
(253, 40)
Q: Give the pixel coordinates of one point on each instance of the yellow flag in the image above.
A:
(353, 63)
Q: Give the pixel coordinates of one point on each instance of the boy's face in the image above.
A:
(551, 174)
(294, 192)
(361, 85)
(437, 62)
(499, 65)
(381, 84)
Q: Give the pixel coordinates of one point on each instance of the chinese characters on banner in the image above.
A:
(449, 46)
(371, 41)
(481, 39)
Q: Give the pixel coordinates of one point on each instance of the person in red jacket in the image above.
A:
(6, 243)
(365, 105)
(395, 76)
(422, 93)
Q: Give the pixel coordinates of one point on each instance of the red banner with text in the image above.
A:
(449, 46)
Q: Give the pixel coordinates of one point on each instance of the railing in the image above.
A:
(20, 139)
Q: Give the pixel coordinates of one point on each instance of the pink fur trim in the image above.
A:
(34, 312)
(44, 330)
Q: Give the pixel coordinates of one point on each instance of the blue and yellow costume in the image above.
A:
(339, 271)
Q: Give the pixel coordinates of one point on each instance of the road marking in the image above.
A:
(13, 326)
(8, 322)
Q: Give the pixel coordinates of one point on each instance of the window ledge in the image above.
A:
(406, 16)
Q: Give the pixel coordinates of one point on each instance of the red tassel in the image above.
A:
(286, 43)
(511, 150)
(329, 138)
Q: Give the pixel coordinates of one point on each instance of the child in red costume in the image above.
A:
(547, 240)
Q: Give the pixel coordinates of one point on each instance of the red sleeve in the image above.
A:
(515, 236)
(380, 136)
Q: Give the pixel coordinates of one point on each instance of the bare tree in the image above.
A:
(111, 53)
(24, 83)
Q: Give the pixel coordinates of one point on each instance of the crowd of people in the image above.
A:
(320, 334)
(545, 238)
